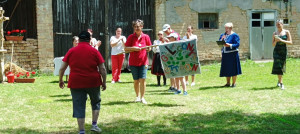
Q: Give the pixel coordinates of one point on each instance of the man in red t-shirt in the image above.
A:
(87, 74)
(138, 44)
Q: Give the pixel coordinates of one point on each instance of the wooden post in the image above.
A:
(106, 34)
(2, 50)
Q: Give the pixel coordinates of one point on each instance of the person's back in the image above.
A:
(83, 61)
(87, 68)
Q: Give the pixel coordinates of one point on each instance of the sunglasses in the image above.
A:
(159, 34)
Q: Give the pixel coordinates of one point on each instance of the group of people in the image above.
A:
(88, 73)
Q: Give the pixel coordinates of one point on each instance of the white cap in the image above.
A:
(160, 32)
(166, 27)
(173, 35)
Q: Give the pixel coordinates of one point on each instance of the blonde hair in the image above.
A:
(279, 21)
(229, 24)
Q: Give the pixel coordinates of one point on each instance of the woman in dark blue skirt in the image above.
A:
(230, 64)
(281, 38)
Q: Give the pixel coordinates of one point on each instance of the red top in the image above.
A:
(83, 61)
(138, 58)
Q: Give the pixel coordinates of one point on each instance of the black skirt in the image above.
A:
(156, 68)
(279, 56)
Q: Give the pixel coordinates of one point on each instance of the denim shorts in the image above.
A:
(139, 72)
(79, 97)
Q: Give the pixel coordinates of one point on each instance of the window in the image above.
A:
(255, 15)
(286, 21)
(269, 23)
(255, 23)
(208, 21)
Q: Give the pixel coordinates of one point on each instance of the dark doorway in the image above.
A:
(72, 16)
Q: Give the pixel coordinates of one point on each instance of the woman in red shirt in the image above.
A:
(138, 44)
(87, 75)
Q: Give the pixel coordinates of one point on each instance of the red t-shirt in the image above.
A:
(138, 58)
(83, 61)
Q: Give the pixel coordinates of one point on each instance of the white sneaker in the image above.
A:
(96, 129)
(137, 99)
(282, 86)
(278, 84)
(113, 82)
(192, 84)
(144, 101)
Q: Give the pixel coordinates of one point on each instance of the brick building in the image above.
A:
(253, 20)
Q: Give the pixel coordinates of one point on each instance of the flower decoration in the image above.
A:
(27, 75)
(16, 32)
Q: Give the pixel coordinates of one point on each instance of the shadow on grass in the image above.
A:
(63, 130)
(61, 95)
(219, 122)
(264, 88)
(63, 100)
(152, 85)
(164, 105)
(159, 92)
(56, 81)
(118, 103)
(212, 87)
(121, 82)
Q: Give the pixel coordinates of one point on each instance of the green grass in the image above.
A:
(254, 106)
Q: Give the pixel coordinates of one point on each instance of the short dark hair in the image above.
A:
(84, 36)
(137, 21)
(118, 28)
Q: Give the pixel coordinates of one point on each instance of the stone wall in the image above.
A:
(181, 13)
(25, 53)
(45, 35)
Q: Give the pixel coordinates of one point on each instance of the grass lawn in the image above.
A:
(256, 105)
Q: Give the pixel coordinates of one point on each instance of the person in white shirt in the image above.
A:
(93, 42)
(156, 67)
(117, 46)
(189, 35)
(75, 41)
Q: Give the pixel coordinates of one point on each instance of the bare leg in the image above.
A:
(183, 83)
(193, 78)
(80, 122)
(187, 78)
(95, 115)
(137, 87)
(228, 80)
(142, 87)
(172, 81)
(177, 83)
(233, 79)
(280, 78)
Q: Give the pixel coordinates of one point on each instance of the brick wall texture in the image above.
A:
(45, 35)
(25, 53)
(208, 50)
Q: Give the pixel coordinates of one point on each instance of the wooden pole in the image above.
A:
(12, 54)
(106, 2)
